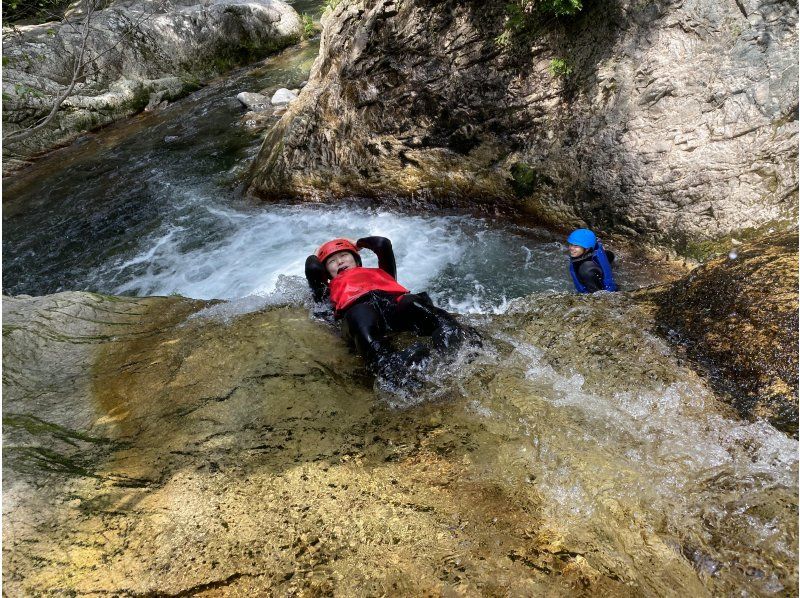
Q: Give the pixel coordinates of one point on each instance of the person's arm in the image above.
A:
(317, 277)
(383, 249)
(591, 275)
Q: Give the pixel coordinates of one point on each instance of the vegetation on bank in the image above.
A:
(39, 11)
(525, 17)
(330, 5)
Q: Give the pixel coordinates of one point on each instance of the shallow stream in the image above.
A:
(154, 206)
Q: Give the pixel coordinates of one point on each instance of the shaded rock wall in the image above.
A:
(137, 54)
(679, 118)
(738, 316)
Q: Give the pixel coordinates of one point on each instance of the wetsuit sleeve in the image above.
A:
(610, 255)
(591, 275)
(383, 249)
(317, 277)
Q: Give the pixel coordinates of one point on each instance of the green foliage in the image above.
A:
(524, 179)
(524, 16)
(504, 39)
(559, 8)
(560, 68)
(516, 17)
(309, 28)
(23, 90)
(33, 10)
(331, 4)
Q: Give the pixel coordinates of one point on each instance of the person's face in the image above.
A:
(576, 251)
(340, 262)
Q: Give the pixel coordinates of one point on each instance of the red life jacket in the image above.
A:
(352, 284)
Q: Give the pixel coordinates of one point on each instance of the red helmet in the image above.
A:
(328, 249)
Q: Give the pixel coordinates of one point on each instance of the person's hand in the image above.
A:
(375, 244)
(316, 272)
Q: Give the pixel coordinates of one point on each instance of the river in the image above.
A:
(154, 206)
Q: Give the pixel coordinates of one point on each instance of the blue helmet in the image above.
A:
(582, 237)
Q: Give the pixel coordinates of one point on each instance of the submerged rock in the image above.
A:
(738, 316)
(137, 54)
(151, 448)
(678, 119)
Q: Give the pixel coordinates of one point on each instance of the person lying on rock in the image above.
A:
(589, 262)
(371, 304)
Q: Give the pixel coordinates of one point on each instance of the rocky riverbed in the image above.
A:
(137, 56)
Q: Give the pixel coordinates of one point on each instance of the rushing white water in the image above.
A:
(218, 251)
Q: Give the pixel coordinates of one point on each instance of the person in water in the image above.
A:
(371, 304)
(590, 263)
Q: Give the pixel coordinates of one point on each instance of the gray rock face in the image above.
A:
(138, 54)
(675, 119)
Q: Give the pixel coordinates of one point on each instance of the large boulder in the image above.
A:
(737, 316)
(137, 53)
(674, 119)
(168, 446)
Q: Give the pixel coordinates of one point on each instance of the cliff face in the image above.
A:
(676, 119)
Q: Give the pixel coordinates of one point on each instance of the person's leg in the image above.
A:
(416, 312)
(364, 327)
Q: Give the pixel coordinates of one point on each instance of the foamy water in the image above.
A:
(209, 250)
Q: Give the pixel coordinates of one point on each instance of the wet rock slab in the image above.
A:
(150, 449)
(738, 316)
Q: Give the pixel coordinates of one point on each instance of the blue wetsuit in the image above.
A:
(587, 272)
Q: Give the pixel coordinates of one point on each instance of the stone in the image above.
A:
(283, 97)
(677, 120)
(737, 317)
(141, 55)
(151, 448)
(253, 101)
(258, 121)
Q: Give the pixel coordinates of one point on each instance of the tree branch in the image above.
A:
(24, 134)
(79, 65)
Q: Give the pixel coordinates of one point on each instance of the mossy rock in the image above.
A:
(737, 316)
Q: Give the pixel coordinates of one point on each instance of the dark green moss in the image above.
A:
(525, 179)
(231, 57)
(704, 250)
(39, 427)
(34, 459)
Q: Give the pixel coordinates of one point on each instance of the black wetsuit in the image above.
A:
(589, 272)
(367, 323)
